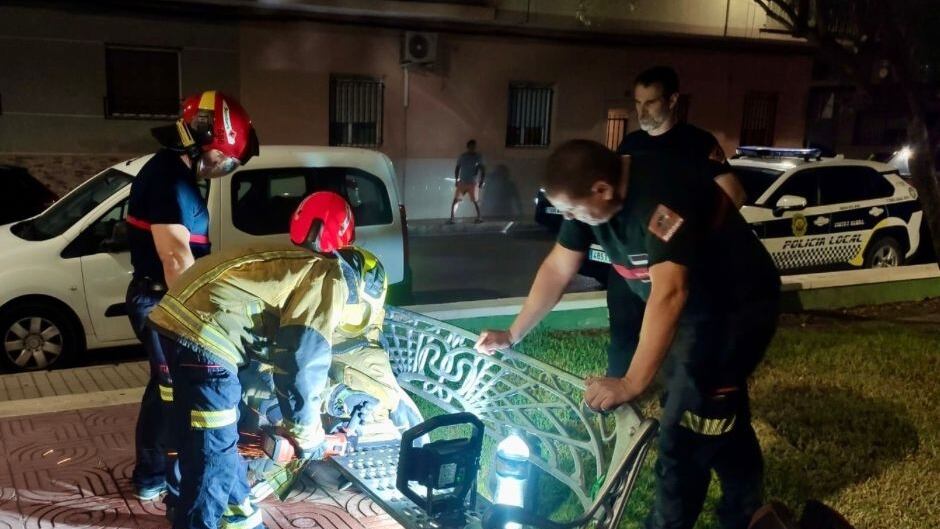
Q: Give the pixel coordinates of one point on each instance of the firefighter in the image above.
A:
(362, 389)
(709, 295)
(279, 305)
(169, 227)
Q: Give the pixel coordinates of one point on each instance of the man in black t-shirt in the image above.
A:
(656, 96)
(708, 296)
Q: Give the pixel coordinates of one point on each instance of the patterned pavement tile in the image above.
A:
(291, 515)
(72, 470)
(307, 491)
(58, 455)
(97, 512)
(112, 419)
(63, 485)
(114, 448)
(46, 428)
(149, 514)
(361, 506)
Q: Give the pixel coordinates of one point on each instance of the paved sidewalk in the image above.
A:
(78, 388)
(72, 469)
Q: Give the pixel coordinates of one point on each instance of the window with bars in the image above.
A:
(760, 113)
(356, 106)
(530, 115)
(617, 124)
(142, 83)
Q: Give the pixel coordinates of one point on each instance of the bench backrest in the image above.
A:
(578, 447)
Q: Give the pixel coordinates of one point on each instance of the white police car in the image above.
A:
(812, 212)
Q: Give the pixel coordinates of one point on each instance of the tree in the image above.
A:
(899, 38)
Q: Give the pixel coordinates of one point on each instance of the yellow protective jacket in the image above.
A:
(280, 305)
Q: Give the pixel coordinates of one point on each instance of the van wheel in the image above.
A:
(36, 335)
(884, 252)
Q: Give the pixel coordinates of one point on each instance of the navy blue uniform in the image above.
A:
(674, 212)
(684, 141)
(280, 306)
(164, 192)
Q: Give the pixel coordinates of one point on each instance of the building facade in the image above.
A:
(80, 90)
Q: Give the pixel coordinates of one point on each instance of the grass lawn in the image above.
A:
(846, 410)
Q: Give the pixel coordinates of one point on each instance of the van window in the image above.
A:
(109, 227)
(73, 207)
(264, 200)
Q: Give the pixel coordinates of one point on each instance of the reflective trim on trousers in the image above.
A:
(166, 393)
(245, 509)
(249, 522)
(204, 420)
(706, 426)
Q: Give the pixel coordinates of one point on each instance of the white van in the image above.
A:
(64, 273)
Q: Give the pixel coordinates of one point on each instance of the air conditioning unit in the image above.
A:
(419, 48)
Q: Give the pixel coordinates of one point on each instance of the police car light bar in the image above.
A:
(778, 152)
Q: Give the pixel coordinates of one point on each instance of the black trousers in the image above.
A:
(151, 440)
(706, 417)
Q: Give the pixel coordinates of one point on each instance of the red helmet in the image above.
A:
(218, 121)
(323, 222)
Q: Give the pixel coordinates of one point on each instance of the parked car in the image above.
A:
(813, 213)
(63, 274)
(23, 196)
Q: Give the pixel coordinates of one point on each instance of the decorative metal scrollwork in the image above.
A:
(437, 362)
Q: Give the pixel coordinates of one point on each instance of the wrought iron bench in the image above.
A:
(596, 457)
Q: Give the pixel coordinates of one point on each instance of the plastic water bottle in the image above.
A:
(512, 469)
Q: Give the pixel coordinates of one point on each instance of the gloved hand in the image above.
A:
(342, 401)
(306, 449)
(308, 442)
(360, 414)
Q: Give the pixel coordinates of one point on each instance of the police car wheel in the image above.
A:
(35, 336)
(884, 252)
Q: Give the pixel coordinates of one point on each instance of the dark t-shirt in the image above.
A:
(673, 212)
(164, 192)
(681, 140)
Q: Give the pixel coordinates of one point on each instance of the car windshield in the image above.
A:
(71, 208)
(755, 180)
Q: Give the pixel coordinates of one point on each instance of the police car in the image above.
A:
(815, 213)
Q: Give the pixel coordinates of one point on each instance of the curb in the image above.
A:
(439, 227)
(77, 401)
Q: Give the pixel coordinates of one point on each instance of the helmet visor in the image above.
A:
(214, 164)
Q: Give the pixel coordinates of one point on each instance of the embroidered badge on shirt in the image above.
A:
(665, 223)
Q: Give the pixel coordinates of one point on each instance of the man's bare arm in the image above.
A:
(660, 321)
(550, 281)
(172, 242)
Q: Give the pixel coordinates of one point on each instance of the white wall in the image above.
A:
(428, 184)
